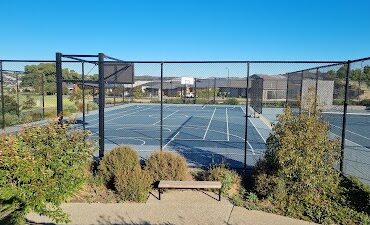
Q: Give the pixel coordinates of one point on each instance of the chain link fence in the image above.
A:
(211, 112)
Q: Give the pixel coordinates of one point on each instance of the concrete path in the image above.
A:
(176, 207)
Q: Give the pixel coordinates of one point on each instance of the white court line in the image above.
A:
(243, 110)
(121, 116)
(351, 132)
(209, 124)
(264, 140)
(119, 112)
(227, 126)
(252, 149)
(165, 117)
(173, 138)
(353, 113)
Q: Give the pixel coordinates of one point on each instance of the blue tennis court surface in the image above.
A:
(203, 134)
(357, 144)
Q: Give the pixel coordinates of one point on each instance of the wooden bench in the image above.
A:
(167, 184)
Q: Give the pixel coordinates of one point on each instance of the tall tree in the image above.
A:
(35, 75)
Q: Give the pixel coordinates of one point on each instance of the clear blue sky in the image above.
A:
(187, 30)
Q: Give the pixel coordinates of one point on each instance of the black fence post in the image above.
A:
(59, 83)
(344, 123)
(2, 95)
(246, 119)
(161, 126)
(83, 95)
(101, 105)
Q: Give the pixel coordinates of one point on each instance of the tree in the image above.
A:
(341, 72)
(44, 73)
(366, 74)
(137, 92)
(356, 75)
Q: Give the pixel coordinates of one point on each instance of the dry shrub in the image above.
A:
(133, 185)
(121, 171)
(122, 158)
(164, 165)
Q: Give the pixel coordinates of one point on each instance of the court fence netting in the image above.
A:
(209, 111)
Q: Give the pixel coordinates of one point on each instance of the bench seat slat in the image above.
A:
(189, 184)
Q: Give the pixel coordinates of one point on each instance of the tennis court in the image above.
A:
(357, 145)
(204, 134)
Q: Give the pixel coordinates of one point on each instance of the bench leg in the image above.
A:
(159, 193)
(219, 194)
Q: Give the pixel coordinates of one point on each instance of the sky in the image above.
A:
(187, 30)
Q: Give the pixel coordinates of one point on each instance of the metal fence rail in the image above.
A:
(206, 119)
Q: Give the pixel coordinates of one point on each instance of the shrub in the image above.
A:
(10, 105)
(29, 103)
(122, 158)
(68, 109)
(10, 119)
(232, 101)
(165, 165)
(365, 102)
(297, 173)
(121, 171)
(91, 106)
(40, 168)
(133, 185)
(230, 180)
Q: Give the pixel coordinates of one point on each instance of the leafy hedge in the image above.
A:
(39, 168)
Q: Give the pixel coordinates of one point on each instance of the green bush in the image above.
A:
(357, 194)
(68, 109)
(40, 168)
(90, 106)
(10, 119)
(230, 180)
(297, 173)
(10, 105)
(165, 165)
(232, 101)
(121, 171)
(29, 103)
(365, 102)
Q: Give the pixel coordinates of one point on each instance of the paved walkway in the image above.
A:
(176, 207)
